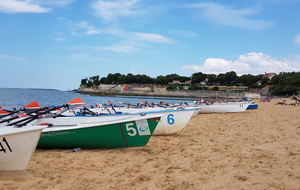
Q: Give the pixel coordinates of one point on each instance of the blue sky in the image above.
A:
(56, 43)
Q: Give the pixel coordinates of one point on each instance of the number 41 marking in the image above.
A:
(2, 147)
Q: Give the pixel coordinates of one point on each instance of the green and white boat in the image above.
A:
(114, 131)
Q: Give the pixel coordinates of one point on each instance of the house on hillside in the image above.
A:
(175, 82)
(269, 75)
(258, 82)
(265, 90)
(203, 82)
(189, 82)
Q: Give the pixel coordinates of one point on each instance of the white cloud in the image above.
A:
(9, 57)
(14, 6)
(251, 63)
(84, 27)
(58, 36)
(121, 48)
(229, 16)
(31, 6)
(156, 38)
(92, 31)
(185, 33)
(81, 56)
(112, 10)
(297, 39)
(56, 3)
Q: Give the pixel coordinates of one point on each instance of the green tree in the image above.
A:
(285, 84)
(248, 80)
(212, 79)
(198, 77)
(112, 78)
(230, 78)
(265, 81)
(122, 79)
(221, 79)
(84, 81)
(144, 79)
(175, 87)
(197, 87)
(130, 79)
(162, 80)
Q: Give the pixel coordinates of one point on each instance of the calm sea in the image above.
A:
(19, 97)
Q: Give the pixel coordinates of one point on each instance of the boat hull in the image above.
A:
(252, 106)
(223, 108)
(172, 121)
(17, 146)
(134, 132)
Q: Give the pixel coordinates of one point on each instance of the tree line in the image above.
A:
(285, 83)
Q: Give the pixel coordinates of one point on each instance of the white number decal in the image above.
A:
(131, 130)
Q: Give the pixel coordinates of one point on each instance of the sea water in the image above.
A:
(19, 97)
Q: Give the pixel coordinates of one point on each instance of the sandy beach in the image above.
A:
(255, 149)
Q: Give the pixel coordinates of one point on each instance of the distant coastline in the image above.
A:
(30, 88)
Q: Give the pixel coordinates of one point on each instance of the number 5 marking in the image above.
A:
(131, 130)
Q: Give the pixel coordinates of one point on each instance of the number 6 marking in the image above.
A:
(171, 119)
(128, 128)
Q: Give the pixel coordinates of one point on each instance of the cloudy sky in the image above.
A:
(55, 44)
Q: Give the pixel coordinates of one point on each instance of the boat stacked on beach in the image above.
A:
(74, 125)
(223, 107)
(17, 144)
(22, 132)
(109, 131)
(173, 120)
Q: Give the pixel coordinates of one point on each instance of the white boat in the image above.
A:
(172, 121)
(223, 107)
(98, 132)
(17, 145)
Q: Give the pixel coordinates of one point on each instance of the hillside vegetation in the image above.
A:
(284, 83)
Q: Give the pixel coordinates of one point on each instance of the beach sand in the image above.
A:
(255, 149)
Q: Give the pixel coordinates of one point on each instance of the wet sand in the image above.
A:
(255, 149)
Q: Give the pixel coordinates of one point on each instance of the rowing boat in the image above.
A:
(114, 131)
(223, 107)
(173, 120)
(17, 145)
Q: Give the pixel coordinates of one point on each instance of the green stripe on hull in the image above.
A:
(128, 134)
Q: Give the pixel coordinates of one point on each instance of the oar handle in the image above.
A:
(33, 117)
(10, 112)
